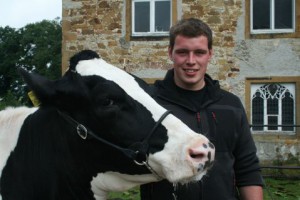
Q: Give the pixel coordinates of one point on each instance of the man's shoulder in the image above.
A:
(230, 98)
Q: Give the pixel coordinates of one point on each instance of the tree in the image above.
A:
(10, 50)
(41, 44)
(35, 47)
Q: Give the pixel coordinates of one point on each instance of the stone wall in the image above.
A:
(101, 26)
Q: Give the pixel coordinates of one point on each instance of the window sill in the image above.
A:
(284, 31)
(149, 38)
(150, 34)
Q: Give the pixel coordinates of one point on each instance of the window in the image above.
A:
(273, 107)
(272, 16)
(151, 17)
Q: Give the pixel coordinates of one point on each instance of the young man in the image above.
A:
(198, 101)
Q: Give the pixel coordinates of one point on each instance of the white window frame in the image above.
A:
(272, 21)
(292, 89)
(152, 31)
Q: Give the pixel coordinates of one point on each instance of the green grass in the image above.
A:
(276, 189)
(281, 189)
(132, 194)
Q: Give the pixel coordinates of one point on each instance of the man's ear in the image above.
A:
(170, 50)
(211, 53)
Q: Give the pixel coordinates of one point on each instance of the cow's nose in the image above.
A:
(202, 155)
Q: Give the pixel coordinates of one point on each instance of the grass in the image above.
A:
(276, 189)
(132, 194)
(281, 189)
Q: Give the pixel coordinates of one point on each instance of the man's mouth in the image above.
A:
(190, 70)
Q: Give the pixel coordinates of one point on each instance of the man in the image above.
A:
(198, 101)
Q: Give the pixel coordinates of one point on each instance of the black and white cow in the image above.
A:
(96, 130)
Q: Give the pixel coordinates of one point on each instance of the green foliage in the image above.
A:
(10, 100)
(133, 194)
(35, 47)
(10, 50)
(42, 48)
(281, 189)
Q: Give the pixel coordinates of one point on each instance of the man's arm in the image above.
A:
(251, 193)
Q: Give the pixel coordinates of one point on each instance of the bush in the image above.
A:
(9, 100)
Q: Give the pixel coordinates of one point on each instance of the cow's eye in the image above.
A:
(108, 102)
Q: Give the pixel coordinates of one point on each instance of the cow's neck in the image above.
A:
(43, 163)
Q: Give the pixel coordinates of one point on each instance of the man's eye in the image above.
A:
(200, 52)
(181, 52)
(107, 102)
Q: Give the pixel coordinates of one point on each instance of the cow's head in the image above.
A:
(129, 135)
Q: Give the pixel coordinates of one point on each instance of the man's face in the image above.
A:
(190, 57)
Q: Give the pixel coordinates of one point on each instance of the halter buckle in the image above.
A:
(82, 131)
(145, 163)
(141, 161)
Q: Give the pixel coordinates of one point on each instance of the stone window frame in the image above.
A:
(264, 80)
(128, 21)
(249, 35)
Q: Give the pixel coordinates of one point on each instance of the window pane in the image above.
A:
(272, 120)
(261, 14)
(272, 106)
(288, 112)
(142, 17)
(272, 102)
(257, 112)
(283, 14)
(162, 16)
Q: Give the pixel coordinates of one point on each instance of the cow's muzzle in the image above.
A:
(201, 156)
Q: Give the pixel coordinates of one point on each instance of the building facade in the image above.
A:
(256, 54)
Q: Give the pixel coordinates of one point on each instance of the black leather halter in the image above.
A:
(138, 152)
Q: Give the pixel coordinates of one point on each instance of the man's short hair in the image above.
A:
(190, 27)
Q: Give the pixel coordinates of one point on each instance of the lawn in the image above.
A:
(132, 194)
(276, 189)
(281, 189)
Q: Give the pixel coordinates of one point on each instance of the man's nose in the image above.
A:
(191, 58)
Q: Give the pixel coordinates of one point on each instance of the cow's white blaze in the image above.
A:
(101, 68)
(11, 121)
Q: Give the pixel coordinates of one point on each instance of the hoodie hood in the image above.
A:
(169, 91)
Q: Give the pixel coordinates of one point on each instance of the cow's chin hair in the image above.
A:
(187, 180)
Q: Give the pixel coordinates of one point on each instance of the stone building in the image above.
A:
(256, 53)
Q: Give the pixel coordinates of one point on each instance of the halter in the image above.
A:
(139, 156)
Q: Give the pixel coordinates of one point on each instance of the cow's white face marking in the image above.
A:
(124, 80)
(11, 121)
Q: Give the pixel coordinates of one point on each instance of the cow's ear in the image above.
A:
(41, 86)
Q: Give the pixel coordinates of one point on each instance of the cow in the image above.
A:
(96, 130)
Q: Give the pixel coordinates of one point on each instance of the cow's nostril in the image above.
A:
(196, 155)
